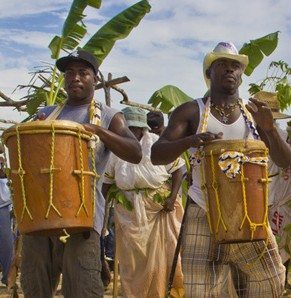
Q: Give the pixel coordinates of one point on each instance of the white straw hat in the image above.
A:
(223, 50)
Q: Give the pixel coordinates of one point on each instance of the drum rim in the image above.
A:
(234, 145)
(44, 126)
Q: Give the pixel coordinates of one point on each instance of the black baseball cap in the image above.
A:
(79, 55)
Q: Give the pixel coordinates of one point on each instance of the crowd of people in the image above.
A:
(141, 157)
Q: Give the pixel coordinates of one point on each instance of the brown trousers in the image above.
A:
(45, 258)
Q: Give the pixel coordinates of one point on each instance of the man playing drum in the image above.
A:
(44, 257)
(256, 267)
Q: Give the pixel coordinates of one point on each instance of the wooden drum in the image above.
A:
(235, 183)
(52, 183)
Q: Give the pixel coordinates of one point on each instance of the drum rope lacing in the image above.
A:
(20, 172)
(82, 176)
(51, 176)
(253, 226)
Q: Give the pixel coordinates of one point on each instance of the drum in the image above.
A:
(51, 177)
(235, 184)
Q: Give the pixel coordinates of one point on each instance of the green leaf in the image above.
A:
(36, 99)
(114, 193)
(254, 88)
(255, 57)
(73, 29)
(117, 28)
(75, 15)
(278, 239)
(185, 188)
(94, 3)
(257, 48)
(284, 95)
(287, 228)
(55, 46)
(67, 43)
(168, 97)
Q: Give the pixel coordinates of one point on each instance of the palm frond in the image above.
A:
(257, 48)
(168, 97)
(117, 28)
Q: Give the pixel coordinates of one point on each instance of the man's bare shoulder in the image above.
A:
(186, 111)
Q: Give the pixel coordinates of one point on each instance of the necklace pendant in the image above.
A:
(224, 119)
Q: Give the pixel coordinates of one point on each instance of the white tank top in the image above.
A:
(237, 130)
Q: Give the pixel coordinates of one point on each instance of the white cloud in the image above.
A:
(34, 39)
(16, 8)
(169, 44)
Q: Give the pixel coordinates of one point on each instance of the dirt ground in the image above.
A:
(108, 292)
(4, 293)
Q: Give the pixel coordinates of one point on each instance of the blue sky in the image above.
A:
(166, 48)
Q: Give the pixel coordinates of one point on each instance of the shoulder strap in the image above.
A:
(56, 112)
(95, 113)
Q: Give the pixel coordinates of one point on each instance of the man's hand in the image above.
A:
(261, 113)
(41, 116)
(202, 139)
(91, 127)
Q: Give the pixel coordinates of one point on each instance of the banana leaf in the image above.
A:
(94, 3)
(287, 228)
(114, 193)
(117, 28)
(73, 29)
(38, 98)
(257, 48)
(168, 97)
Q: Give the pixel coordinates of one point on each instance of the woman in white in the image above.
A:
(146, 235)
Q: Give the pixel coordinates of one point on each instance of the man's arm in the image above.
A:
(118, 139)
(180, 135)
(279, 150)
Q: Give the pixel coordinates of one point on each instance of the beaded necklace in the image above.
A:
(245, 113)
(222, 110)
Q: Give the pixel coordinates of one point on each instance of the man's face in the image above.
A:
(225, 74)
(80, 81)
(157, 130)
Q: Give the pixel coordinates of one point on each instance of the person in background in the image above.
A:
(155, 121)
(147, 223)
(280, 187)
(6, 234)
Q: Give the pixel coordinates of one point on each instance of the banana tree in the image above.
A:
(73, 31)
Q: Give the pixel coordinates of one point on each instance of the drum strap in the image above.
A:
(56, 112)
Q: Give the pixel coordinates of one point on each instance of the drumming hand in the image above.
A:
(91, 127)
(261, 113)
(202, 139)
(41, 116)
(169, 204)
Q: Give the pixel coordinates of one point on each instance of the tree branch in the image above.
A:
(12, 103)
(140, 105)
(112, 82)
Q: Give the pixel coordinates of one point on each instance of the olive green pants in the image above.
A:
(45, 258)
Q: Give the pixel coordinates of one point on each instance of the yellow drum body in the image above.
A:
(237, 206)
(51, 178)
